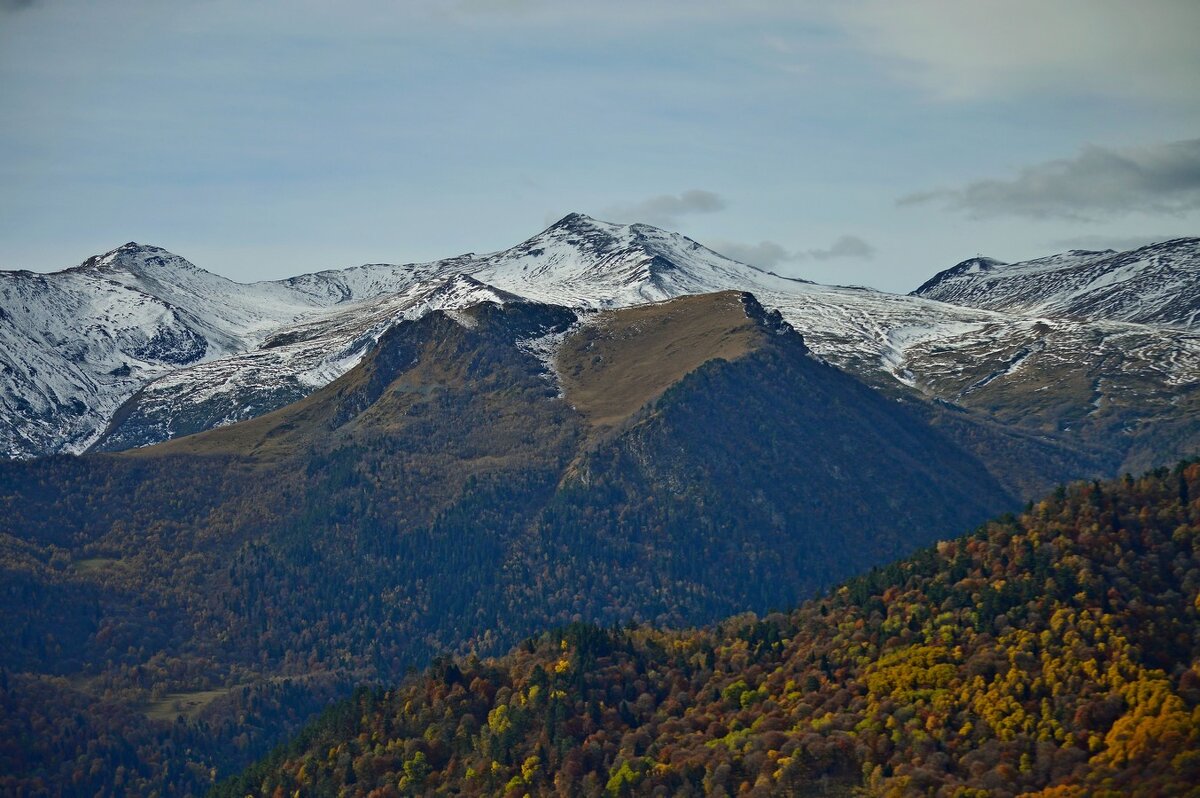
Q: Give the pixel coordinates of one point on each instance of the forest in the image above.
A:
(176, 611)
(1052, 654)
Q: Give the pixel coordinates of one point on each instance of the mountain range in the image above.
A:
(1157, 284)
(227, 505)
(481, 474)
(139, 346)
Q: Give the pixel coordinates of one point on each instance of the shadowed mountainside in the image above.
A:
(483, 474)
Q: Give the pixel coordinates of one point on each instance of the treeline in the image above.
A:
(1056, 654)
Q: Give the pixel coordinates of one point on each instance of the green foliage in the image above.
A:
(1078, 676)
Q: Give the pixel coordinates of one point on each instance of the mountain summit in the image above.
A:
(583, 262)
(139, 346)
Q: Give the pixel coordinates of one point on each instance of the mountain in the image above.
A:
(1052, 654)
(139, 345)
(1157, 284)
(579, 262)
(1111, 389)
(353, 471)
(77, 343)
(289, 365)
(481, 474)
(1104, 352)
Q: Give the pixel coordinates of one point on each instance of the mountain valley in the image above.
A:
(228, 505)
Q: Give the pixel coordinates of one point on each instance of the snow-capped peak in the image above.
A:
(195, 350)
(583, 262)
(138, 259)
(976, 265)
(1156, 284)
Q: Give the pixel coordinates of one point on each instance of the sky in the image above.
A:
(862, 142)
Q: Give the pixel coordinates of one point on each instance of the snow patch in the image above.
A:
(462, 319)
(546, 348)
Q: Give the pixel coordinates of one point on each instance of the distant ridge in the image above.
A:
(139, 346)
(1155, 284)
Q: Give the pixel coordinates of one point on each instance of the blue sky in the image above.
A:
(863, 142)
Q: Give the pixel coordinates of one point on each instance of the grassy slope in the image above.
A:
(623, 360)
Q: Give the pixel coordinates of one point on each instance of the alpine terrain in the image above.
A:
(1095, 351)
(481, 474)
(225, 506)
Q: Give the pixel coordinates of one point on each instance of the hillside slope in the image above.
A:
(138, 346)
(1055, 654)
(462, 487)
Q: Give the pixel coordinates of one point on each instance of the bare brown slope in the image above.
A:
(287, 432)
(401, 382)
(621, 360)
(610, 367)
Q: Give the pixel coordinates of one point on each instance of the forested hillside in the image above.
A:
(1053, 654)
(483, 475)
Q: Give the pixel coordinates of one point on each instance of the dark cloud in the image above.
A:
(768, 254)
(665, 209)
(15, 5)
(1097, 183)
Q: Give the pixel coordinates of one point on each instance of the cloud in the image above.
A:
(1098, 182)
(963, 50)
(15, 5)
(665, 209)
(844, 247)
(765, 254)
(768, 254)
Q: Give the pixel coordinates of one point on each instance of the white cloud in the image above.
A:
(665, 209)
(963, 50)
(844, 247)
(765, 254)
(769, 254)
(1098, 182)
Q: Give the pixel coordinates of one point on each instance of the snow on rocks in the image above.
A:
(139, 345)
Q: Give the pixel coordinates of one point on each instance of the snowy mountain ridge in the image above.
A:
(1156, 284)
(139, 345)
